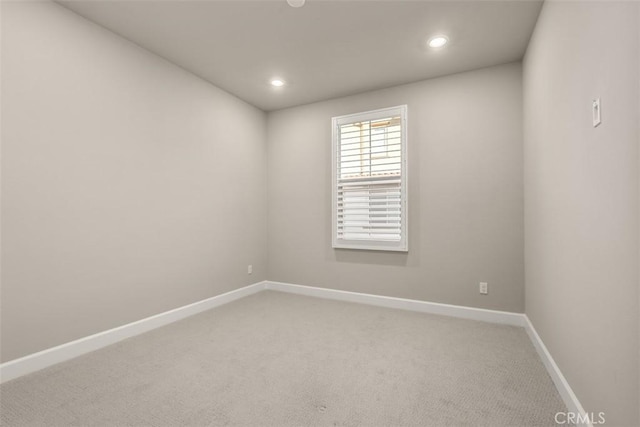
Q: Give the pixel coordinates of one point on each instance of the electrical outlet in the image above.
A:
(249, 269)
(484, 288)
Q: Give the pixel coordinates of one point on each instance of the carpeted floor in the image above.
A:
(275, 359)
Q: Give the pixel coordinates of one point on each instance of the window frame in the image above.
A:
(401, 245)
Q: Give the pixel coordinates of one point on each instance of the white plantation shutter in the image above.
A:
(370, 180)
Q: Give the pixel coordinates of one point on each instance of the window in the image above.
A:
(370, 180)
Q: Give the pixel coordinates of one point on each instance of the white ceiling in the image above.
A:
(323, 50)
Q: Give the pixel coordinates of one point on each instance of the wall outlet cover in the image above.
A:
(484, 288)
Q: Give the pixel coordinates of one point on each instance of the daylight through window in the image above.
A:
(369, 171)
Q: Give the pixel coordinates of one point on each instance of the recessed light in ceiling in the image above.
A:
(296, 3)
(277, 83)
(438, 41)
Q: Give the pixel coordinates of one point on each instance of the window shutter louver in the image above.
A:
(369, 170)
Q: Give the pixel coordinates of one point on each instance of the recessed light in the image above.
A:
(296, 3)
(438, 41)
(277, 83)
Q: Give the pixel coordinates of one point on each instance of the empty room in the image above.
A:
(320, 213)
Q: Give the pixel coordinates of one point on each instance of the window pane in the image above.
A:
(370, 181)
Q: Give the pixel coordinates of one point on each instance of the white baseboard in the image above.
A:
(36, 361)
(568, 396)
(492, 316)
(42, 359)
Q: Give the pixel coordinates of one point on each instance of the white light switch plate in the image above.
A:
(596, 112)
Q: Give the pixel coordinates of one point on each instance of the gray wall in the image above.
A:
(465, 194)
(129, 186)
(581, 199)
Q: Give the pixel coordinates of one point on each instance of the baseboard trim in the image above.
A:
(43, 359)
(492, 316)
(566, 393)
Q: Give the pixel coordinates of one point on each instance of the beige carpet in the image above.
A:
(275, 359)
